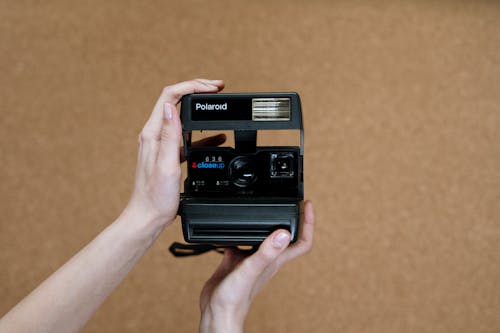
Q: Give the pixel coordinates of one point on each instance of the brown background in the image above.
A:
(402, 116)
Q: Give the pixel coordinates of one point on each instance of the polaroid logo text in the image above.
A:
(206, 106)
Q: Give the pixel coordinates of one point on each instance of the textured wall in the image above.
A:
(402, 116)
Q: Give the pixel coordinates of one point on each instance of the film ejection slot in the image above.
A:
(271, 109)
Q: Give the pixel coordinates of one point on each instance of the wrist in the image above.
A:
(220, 321)
(144, 223)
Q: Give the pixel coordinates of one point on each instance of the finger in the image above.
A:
(211, 141)
(153, 130)
(215, 279)
(149, 141)
(173, 94)
(304, 244)
(168, 154)
(223, 268)
(230, 260)
(170, 131)
(268, 252)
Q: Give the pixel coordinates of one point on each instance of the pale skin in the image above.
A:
(68, 298)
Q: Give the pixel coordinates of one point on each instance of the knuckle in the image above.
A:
(176, 172)
(274, 268)
(307, 247)
(248, 267)
(171, 92)
(172, 172)
(166, 90)
(267, 255)
(224, 301)
(146, 136)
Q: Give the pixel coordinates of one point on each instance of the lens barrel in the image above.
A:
(242, 171)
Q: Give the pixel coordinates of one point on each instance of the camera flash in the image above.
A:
(270, 109)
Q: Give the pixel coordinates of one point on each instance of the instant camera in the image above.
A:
(239, 195)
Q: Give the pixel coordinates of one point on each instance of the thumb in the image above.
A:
(268, 252)
(168, 154)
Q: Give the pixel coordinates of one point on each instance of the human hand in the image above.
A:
(157, 180)
(97, 269)
(228, 294)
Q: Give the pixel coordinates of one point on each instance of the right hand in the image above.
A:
(228, 294)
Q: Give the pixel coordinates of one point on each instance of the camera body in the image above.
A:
(239, 195)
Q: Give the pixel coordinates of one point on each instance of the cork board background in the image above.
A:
(401, 106)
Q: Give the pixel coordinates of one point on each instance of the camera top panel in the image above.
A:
(241, 111)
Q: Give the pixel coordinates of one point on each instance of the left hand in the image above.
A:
(69, 297)
(157, 179)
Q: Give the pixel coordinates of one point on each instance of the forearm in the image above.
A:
(68, 298)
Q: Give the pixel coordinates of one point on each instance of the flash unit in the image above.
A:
(270, 109)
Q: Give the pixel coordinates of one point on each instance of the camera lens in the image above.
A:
(242, 171)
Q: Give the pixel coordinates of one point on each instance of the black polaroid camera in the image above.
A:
(239, 195)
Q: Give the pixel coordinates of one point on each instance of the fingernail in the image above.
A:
(215, 81)
(281, 240)
(167, 111)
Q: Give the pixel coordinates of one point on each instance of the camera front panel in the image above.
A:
(221, 172)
